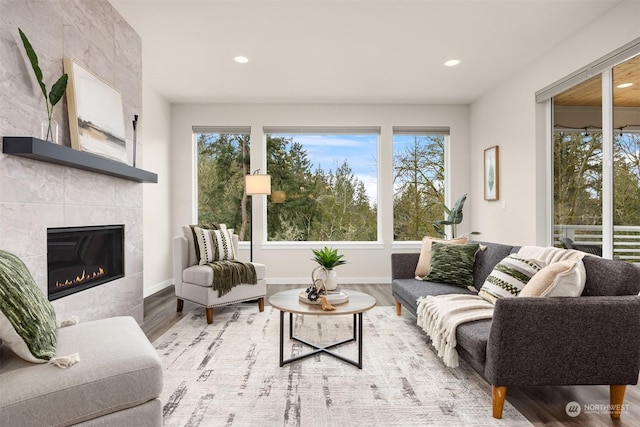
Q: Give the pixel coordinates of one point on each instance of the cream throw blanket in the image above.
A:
(550, 255)
(439, 316)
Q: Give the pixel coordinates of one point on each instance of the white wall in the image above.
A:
(369, 262)
(156, 126)
(508, 116)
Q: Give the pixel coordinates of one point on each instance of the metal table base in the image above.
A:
(357, 336)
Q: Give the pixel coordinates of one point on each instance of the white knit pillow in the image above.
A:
(560, 279)
(215, 245)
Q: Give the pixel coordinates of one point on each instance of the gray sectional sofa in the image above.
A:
(116, 382)
(593, 339)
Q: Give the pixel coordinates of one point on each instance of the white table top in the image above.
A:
(289, 301)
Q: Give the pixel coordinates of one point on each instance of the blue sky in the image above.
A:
(329, 151)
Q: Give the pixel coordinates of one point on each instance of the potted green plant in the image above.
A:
(454, 217)
(50, 127)
(329, 259)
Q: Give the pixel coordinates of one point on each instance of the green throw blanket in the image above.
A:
(228, 273)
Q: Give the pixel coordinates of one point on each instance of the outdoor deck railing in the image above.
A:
(626, 239)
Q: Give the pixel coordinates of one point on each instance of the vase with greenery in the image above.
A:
(453, 218)
(50, 127)
(329, 259)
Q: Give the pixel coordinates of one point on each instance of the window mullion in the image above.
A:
(607, 163)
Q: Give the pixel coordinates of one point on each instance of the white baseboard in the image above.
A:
(341, 280)
(157, 288)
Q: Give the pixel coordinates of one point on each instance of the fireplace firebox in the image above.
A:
(80, 258)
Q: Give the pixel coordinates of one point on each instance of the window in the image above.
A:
(222, 162)
(418, 181)
(324, 184)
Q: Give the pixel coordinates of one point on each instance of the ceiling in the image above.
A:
(345, 51)
(589, 92)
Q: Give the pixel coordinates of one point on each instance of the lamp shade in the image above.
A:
(256, 184)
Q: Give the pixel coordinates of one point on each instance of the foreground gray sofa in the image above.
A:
(116, 382)
(593, 339)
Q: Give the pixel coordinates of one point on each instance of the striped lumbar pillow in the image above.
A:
(27, 318)
(509, 277)
(215, 245)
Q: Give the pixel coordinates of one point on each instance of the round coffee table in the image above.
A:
(289, 302)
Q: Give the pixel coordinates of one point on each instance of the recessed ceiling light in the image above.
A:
(241, 59)
(623, 85)
(452, 62)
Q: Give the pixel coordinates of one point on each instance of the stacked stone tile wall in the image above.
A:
(36, 195)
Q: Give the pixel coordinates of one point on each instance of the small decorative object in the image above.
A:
(49, 128)
(491, 176)
(135, 132)
(454, 217)
(317, 288)
(329, 259)
(317, 292)
(96, 117)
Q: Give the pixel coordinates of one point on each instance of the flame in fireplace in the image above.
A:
(79, 279)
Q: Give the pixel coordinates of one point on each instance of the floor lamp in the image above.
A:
(256, 184)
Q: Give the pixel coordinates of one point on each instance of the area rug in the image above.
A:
(228, 374)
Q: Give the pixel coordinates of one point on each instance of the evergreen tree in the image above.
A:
(418, 187)
(223, 162)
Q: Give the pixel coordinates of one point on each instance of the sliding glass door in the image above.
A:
(577, 158)
(596, 163)
(626, 160)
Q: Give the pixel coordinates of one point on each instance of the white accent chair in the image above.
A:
(193, 281)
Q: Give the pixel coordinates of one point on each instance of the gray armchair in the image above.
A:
(193, 282)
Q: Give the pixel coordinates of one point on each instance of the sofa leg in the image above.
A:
(398, 308)
(180, 305)
(261, 304)
(616, 397)
(498, 393)
(209, 311)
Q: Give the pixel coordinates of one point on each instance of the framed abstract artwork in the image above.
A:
(491, 173)
(96, 117)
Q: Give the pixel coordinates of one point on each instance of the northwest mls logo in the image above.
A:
(573, 409)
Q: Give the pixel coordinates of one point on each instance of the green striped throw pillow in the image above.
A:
(509, 277)
(27, 318)
(453, 264)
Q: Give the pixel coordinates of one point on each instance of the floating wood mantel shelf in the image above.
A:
(37, 149)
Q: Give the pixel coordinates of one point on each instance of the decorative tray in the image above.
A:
(333, 297)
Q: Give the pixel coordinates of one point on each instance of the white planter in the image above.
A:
(332, 280)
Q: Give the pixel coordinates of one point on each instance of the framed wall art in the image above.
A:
(96, 117)
(491, 173)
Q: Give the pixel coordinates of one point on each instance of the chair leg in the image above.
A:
(209, 311)
(616, 397)
(180, 305)
(261, 304)
(498, 393)
(398, 308)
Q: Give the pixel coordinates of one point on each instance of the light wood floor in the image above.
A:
(543, 406)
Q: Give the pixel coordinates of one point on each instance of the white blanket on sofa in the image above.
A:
(550, 255)
(439, 316)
